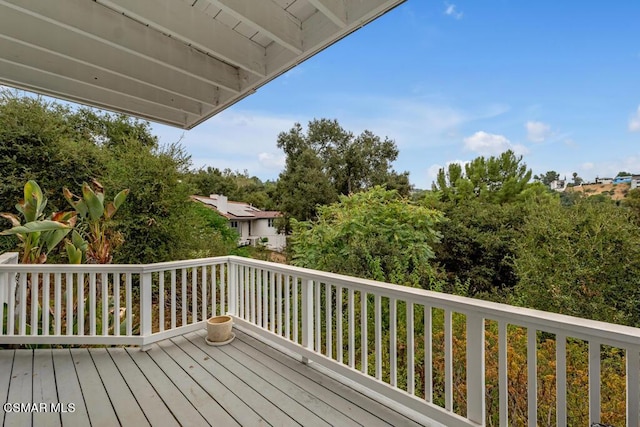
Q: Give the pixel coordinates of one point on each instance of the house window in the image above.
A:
(233, 224)
(270, 222)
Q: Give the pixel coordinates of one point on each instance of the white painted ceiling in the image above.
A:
(176, 62)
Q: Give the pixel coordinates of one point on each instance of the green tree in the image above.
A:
(580, 260)
(347, 162)
(38, 141)
(496, 179)
(376, 234)
(304, 186)
(60, 147)
(548, 177)
(477, 246)
(576, 179)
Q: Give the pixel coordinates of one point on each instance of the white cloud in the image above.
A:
(432, 171)
(487, 144)
(272, 161)
(413, 122)
(634, 121)
(519, 149)
(451, 10)
(537, 131)
(587, 166)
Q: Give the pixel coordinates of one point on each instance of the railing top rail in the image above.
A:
(108, 268)
(71, 268)
(546, 321)
(160, 266)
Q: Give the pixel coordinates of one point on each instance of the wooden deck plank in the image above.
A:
(69, 390)
(20, 390)
(176, 402)
(324, 392)
(344, 392)
(225, 397)
(123, 401)
(296, 390)
(44, 388)
(6, 366)
(297, 411)
(271, 412)
(150, 402)
(183, 381)
(99, 406)
(199, 398)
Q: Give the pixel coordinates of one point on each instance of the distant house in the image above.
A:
(625, 179)
(252, 224)
(558, 184)
(635, 181)
(604, 180)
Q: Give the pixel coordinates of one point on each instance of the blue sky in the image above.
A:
(558, 82)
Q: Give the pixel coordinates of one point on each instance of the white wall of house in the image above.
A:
(264, 227)
(251, 231)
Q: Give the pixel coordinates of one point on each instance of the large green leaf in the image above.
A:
(36, 226)
(73, 253)
(78, 241)
(120, 198)
(94, 204)
(111, 208)
(52, 238)
(33, 200)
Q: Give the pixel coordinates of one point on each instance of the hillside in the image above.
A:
(615, 191)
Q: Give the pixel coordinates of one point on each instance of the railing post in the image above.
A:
(7, 292)
(232, 287)
(145, 307)
(307, 317)
(475, 369)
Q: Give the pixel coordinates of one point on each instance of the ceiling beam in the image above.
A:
(335, 10)
(60, 87)
(18, 52)
(196, 29)
(54, 38)
(102, 25)
(268, 18)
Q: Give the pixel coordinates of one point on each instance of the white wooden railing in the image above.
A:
(110, 304)
(378, 335)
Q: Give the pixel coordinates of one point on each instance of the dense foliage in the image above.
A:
(327, 161)
(60, 147)
(375, 234)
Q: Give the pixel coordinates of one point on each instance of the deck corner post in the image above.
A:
(145, 304)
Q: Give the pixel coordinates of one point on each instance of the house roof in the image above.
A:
(176, 62)
(238, 210)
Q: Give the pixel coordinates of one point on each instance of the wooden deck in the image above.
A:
(181, 381)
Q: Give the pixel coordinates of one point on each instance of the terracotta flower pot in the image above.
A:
(219, 328)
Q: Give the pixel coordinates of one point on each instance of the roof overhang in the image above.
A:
(176, 62)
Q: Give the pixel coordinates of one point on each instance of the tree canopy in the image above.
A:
(495, 179)
(327, 161)
(59, 147)
(375, 234)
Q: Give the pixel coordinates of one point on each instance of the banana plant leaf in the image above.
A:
(36, 226)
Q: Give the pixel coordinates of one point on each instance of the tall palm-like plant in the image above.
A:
(96, 239)
(38, 235)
